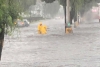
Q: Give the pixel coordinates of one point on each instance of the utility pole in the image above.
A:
(99, 11)
(65, 15)
(78, 17)
(67, 2)
(68, 12)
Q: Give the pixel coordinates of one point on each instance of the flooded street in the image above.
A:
(55, 49)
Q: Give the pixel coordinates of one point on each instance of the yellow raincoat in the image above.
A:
(42, 29)
(39, 28)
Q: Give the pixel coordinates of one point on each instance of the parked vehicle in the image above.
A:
(22, 23)
(26, 22)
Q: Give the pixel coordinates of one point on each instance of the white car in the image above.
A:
(22, 23)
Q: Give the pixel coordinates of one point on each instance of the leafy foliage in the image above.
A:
(25, 4)
(48, 1)
(8, 12)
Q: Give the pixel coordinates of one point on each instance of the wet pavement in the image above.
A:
(55, 49)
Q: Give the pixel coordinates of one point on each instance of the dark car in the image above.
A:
(26, 22)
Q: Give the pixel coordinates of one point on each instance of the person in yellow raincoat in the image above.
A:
(39, 28)
(42, 29)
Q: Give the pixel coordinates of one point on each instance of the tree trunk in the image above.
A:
(64, 7)
(75, 17)
(78, 17)
(82, 13)
(72, 14)
(71, 17)
(65, 17)
(1, 41)
(68, 11)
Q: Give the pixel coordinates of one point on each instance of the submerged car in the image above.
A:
(22, 23)
(26, 22)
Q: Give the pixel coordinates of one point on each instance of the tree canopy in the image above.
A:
(77, 6)
(8, 12)
(48, 1)
(25, 4)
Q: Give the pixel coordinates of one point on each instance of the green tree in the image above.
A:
(8, 12)
(48, 1)
(25, 4)
(76, 6)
